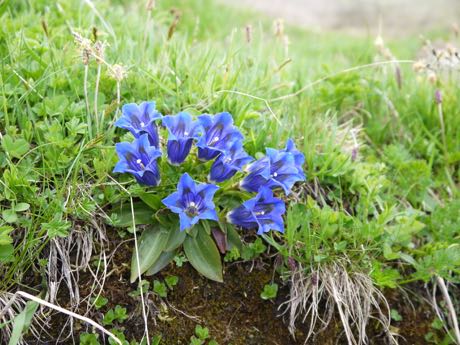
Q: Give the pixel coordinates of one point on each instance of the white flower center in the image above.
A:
(139, 161)
(274, 174)
(185, 133)
(214, 140)
(261, 213)
(142, 124)
(192, 204)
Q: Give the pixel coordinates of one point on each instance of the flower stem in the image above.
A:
(88, 115)
(96, 91)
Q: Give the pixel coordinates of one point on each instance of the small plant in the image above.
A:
(99, 301)
(171, 281)
(187, 215)
(89, 339)
(142, 288)
(160, 288)
(395, 315)
(269, 292)
(118, 314)
(200, 337)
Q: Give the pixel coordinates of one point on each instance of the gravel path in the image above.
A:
(398, 17)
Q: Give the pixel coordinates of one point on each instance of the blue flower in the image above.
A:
(277, 169)
(229, 162)
(139, 159)
(140, 120)
(192, 202)
(219, 132)
(299, 157)
(263, 212)
(182, 131)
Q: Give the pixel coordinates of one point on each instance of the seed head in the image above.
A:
(118, 72)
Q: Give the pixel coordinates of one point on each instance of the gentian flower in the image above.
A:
(218, 133)
(299, 157)
(192, 202)
(139, 159)
(182, 131)
(140, 120)
(263, 212)
(229, 162)
(276, 169)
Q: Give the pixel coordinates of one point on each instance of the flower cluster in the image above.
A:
(216, 138)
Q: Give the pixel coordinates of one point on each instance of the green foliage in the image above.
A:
(22, 322)
(270, 291)
(171, 281)
(203, 255)
(200, 337)
(160, 288)
(253, 250)
(387, 205)
(394, 314)
(202, 332)
(99, 301)
(89, 339)
(118, 314)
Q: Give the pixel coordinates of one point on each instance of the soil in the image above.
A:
(233, 311)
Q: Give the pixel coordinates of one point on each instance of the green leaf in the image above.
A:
(151, 245)
(156, 339)
(202, 253)
(160, 288)
(57, 227)
(270, 291)
(15, 148)
(5, 237)
(21, 207)
(9, 216)
(150, 199)
(143, 214)
(22, 322)
(99, 301)
(89, 339)
(202, 332)
(6, 253)
(164, 259)
(171, 281)
(233, 238)
(175, 240)
(395, 315)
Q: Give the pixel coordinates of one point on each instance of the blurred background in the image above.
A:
(392, 17)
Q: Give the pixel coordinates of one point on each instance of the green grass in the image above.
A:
(392, 212)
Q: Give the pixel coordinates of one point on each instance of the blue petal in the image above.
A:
(172, 202)
(207, 191)
(178, 150)
(241, 216)
(185, 221)
(186, 185)
(209, 214)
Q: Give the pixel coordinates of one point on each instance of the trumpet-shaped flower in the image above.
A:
(277, 169)
(219, 132)
(263, 212)
(140, 119)
(299, 157)
(229, 162)
(182, 131)
(139, 159)
(192, 202)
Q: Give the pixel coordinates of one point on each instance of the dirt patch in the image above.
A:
(233, 311)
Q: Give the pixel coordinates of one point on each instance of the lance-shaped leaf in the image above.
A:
(202, 253)
(151, 244)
